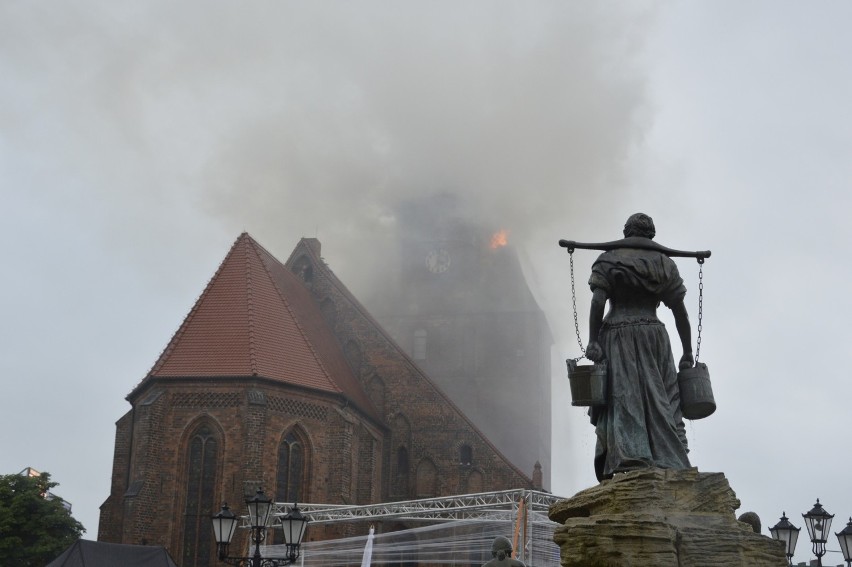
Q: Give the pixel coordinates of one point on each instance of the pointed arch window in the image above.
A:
(291, 464)
(202, 459)
(466, 455)
(400, 481)
(290, 478)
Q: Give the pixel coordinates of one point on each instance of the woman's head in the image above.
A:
(639, 224)
(501, 548)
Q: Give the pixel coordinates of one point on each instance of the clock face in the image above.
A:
(438, 261)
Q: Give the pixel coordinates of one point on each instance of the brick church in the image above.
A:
(278, 377)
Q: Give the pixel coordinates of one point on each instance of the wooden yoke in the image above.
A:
(634, 242)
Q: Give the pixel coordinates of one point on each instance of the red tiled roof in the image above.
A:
(256, 318)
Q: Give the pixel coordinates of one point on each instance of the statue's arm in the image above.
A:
(594, 352)
(681, 318)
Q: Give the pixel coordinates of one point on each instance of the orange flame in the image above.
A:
(499, 239)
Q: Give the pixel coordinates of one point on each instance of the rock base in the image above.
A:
(660, 518)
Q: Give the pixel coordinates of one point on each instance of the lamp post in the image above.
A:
(788, 533)
(294, 525)
(845, 539)
(818, 522)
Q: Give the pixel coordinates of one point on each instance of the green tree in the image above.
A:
(33, 529)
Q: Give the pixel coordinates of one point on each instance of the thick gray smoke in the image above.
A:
(528, 110)
(196, 121)
(291, 119)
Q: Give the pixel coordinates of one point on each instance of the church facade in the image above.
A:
(279, 378)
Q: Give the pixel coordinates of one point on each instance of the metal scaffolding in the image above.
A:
(520, 515)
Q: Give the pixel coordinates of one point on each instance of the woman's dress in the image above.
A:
(641, 425)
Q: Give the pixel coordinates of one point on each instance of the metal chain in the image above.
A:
(574, 303)
(700, 305)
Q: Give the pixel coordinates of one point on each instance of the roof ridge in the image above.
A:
(178, 335)
(250, 306)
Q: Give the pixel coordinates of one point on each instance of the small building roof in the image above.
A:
(86, 553)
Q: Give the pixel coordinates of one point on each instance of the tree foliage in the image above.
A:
(34, 529)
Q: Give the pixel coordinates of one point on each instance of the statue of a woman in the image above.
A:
(641, 425)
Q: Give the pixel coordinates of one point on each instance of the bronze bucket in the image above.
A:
(588, 383)
(696, 395)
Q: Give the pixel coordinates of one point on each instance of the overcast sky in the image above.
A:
(137, 140)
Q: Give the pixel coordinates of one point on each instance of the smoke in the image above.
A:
(527, 112)
(326, 119)
(291, 119)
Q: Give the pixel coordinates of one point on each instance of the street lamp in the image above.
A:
(788, 533)
(818, 522)
(225, 522)
(845, 539)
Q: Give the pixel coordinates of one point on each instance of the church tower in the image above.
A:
(460, 305)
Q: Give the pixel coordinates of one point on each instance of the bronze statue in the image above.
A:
(641, 424)
(501, 550)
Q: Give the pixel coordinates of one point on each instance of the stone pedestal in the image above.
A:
(660, 518)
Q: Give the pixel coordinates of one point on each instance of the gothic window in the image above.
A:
(291, 466)
(366, 485)
(466, 455)
(401, 468)
(400, 481)
(290, 479)
(419, 344)
(202, 458)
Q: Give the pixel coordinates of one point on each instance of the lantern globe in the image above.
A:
(294, 525)
(224, 525)
(818, 522)
(259, 507)
(845, 539)
(786, 532)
